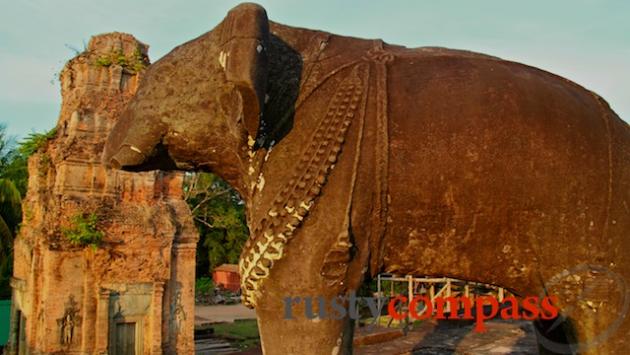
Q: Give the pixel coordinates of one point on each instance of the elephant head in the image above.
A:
(200, 107)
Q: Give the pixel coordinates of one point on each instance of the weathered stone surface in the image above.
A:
(373, 157)
(70, 296)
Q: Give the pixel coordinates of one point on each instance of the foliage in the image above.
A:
(12, 180)
(10, 204)
(204, 286)
(368, 288)
(84, 231)
(133, 63)
(12, 163)
(35, 141)
(14, 160)
(219, 214)
(10, 217)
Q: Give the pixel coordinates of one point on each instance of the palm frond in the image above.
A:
(10, 204)
(6, 240)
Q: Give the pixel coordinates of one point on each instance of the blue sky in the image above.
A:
(587, 41)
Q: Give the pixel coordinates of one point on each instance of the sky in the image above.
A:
(587, 41)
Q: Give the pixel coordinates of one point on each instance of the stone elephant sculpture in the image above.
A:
(355, 157)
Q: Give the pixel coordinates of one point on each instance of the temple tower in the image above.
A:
(105, 260)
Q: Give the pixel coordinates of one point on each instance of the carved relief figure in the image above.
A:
(69, 321)
(67, 329)
(179, 312)
(356, 157)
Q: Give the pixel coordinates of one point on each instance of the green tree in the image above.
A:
(10, 217)
(10, 207)
(219, 214)
(13, 165)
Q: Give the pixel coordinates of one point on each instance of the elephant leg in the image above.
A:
(293, 319)
(299, 309)
(302, 329)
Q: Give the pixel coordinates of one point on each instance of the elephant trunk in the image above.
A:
(133, 142)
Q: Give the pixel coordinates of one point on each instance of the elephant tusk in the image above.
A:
(135, 149)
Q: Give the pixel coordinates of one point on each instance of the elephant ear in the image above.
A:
(245, 41)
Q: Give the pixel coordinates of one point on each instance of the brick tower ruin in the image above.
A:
(132, 292)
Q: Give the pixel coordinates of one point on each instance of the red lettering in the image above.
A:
(530, 308)
(547, 305)
(391, 307)
(510, 311)
(467, 308)
(440, 305)
(480, 317)
(413, 308)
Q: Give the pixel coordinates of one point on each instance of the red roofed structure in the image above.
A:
(227, 276)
